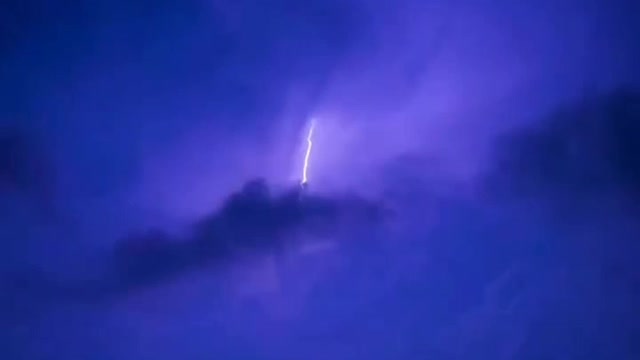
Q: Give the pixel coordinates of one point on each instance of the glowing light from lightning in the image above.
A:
(307, 155)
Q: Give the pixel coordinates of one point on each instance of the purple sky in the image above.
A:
(152, 114)
(178, 104)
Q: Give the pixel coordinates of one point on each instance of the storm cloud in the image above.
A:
(472, 182)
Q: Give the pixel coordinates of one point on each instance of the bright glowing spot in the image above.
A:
(307, 155)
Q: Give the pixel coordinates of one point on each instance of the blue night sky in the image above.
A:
(473, 181)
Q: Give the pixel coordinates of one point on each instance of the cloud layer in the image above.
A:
(138, 117)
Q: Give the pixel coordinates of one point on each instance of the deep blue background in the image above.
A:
(499, 138)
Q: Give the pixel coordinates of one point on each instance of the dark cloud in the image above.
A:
(574, 179)
(250, 221)
(587, 150)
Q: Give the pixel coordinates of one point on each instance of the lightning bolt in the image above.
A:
(307, 155)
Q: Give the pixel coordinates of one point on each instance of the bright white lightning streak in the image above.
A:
(307, 155)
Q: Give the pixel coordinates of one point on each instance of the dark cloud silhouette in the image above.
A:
(584, 151)
(574, 179)
(250, 221)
